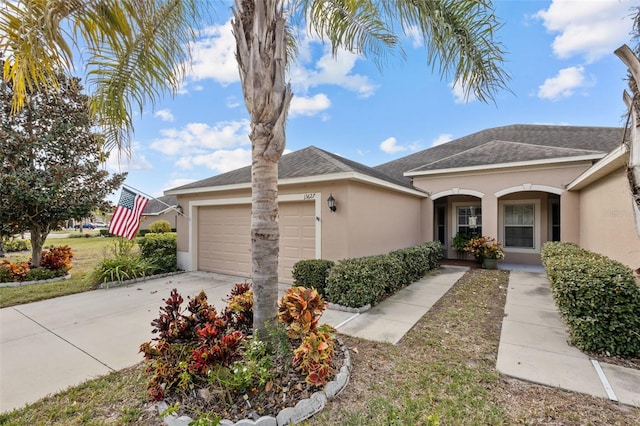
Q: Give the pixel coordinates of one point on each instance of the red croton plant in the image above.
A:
(198, 343)
(55, 262)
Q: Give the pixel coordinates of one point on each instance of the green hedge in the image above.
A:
(312, 273)
(16, 244)
(598, 298)
(359, 281)
(160, 250)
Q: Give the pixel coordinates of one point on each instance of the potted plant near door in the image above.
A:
(486, 251)
(459, 243)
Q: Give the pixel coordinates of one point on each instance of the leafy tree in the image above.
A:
(134, 47)
(50, 162)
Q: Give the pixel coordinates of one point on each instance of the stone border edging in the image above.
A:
(336, 307)
(113, 284)
(50, 280)
(291, 415)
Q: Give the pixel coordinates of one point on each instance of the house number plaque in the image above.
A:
(310, 196)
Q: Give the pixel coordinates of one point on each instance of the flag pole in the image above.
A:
(160, 201)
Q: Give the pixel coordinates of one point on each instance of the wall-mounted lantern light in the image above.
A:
(332, 203)
(179, 209)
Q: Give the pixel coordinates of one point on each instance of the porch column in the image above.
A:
(570, 217)
(426, 220)
(490, 215)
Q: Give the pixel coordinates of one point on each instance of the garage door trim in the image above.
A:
(193, 206)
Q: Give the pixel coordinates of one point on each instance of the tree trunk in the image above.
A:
(633, 169)
(38, 236)
(259, 29)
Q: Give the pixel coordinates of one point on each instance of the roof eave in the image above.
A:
(611, 162)
(534, 163)
(305, 180)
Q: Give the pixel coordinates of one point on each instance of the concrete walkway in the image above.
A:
(533, 346)
(50, 345)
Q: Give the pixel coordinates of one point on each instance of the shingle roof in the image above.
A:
(311, 161)
(501, 152)
(158, 205)
(596, 139)
(508, 144)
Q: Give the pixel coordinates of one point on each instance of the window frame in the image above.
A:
(454, 207)
(536, 225)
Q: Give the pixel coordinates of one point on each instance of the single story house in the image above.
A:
(161, 208)
(522, 184)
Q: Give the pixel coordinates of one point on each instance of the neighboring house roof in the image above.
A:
(544, 141)
(305, 163)
(157, 206)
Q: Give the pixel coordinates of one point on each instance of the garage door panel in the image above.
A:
(224, 240)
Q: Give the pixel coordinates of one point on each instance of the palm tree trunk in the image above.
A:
(260, 32)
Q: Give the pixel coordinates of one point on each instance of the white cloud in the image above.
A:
(232, 102)
(164, 115)
(442, 138)
(220, 160)
(301, 105)
(390, 146)
(329, 70)
(174, 183)
(124, 161)
(214, 56)
(459, 97)
(592, 29)
(414, 35)
(200, 138)
(564, 84)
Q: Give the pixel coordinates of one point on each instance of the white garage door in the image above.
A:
(224, 242)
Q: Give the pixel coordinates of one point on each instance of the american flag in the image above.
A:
(126, 219)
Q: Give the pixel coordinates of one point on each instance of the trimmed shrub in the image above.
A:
(312, 273)
(360, 281)
(160, 250)
(418, 260)
(159, 227)
(597, 297)
(363, 280)
(17, 245)
(38, 274)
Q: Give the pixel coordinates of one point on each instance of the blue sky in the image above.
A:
(559, 55)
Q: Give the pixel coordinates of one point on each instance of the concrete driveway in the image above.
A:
(50, 345)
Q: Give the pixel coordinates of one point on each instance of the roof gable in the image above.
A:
(502, 152)
(307, 162)
(596, 139)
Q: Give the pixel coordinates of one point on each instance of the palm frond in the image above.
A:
(146, 59)
(460, 37)
(135, 51)
(356, 26)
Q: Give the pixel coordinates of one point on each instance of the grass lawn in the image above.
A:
(87, 253)
(441, 373)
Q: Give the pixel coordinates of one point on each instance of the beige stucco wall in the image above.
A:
(606, 219)
(491, 188)
(368, 220)
(380, 220)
